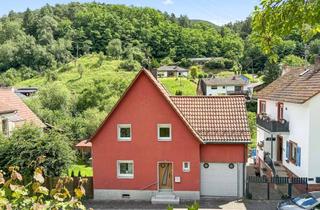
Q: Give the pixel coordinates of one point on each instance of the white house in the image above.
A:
(214, 86)
(288, 123)
(172, 71)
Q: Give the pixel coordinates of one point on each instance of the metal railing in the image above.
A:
(271, 125)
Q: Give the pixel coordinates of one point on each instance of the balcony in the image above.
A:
(271, 125)
(237, 92)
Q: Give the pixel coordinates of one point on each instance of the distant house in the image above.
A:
(214, 86)
(14, 112)
(171, 71)
(288, 124)
(153, 146)
(199, 61)
(27, 91)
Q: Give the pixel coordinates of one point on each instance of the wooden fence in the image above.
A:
(50, 183)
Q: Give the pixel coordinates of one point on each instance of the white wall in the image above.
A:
(314, 135)
(162, 74)
(221, 90)
(183, 74)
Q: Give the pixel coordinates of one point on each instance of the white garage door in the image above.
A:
(217, 179)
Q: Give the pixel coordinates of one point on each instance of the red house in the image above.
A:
(157, 147)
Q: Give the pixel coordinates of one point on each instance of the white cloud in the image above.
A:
(167, 2)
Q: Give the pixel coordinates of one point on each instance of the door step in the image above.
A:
(165, 198)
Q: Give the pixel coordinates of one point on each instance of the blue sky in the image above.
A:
(216, 11)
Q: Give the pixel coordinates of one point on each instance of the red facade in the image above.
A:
(144, 107)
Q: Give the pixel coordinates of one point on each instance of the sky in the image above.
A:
(216, 11)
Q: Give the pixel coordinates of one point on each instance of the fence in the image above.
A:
(50, 183)
(275, 188)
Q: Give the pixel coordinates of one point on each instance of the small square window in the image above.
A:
(124, 132)
(186, 166)
(214, 87)
(164, 132)
(125, 169)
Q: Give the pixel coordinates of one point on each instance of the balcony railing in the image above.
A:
(237, 92)
(271, 125)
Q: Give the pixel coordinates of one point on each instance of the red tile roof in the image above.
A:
(217, 119)
(84, 144)
(297, 86)
(5, 108)
(9, 98)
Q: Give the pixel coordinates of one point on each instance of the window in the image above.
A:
(125, 169)
(280, 111)
(164, 132)
(224, 87)
(293, 152)
(186, 166)
(262, 106)
(214, 87)
(237, 88)
(124, 132)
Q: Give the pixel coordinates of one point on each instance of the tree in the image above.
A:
(194, 71)
(271, 72)
(294, 61)
(55, 96)
(278, 18)
(114, 48)
(28, 143)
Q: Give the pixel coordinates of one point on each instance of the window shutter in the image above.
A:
(298, 162)
(287, 150)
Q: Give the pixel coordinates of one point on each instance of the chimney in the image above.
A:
(317, 63)
(285, 69)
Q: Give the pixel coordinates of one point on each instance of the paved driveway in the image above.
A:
(205, 204)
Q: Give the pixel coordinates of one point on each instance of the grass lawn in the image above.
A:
(85, 170)
(172, 84)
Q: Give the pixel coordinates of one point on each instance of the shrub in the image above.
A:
(16, 193)
(216, 63)
(194, 71)
(228, 63)
(185, 62)
(293, 60)
(130, 65)
(178, 92)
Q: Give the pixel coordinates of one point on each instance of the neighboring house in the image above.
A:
(25, 92)
(214, 86)
(199, 61)
(157, 147)
(172, 71)
(14, 112)
(288, 123)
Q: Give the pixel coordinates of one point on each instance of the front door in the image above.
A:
(279, 148)
(165, 176)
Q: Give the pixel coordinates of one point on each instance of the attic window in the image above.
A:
(164, 132)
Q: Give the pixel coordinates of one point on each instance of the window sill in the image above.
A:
(125, 177)
(124, 139)
(164, 139)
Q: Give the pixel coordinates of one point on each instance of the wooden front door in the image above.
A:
(165, 176)
(279, 148)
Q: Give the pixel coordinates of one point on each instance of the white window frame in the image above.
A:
(164, 126)
(184, 169)
(125, 176)
(118, 131)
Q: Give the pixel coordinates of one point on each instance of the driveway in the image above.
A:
(205, 204)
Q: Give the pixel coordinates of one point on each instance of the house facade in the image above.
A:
(153, 146)
(14, 112)
(172, 71)
(288, 123)
(215, 86)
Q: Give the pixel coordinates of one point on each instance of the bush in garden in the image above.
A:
(228, 63)
(130, 65)
(15, 193)
(178, 92)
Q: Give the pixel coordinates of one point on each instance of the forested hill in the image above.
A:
(34, 42)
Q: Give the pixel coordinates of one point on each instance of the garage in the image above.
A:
(221, 179)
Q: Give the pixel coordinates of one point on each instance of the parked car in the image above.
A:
(310, 201)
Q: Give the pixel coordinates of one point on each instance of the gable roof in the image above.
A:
(4, 108)
(217, 119)
(172, 68)
(188, 107)
(220, 81)
(296, 86)
(9, 99)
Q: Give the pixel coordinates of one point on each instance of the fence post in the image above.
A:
(268, 190)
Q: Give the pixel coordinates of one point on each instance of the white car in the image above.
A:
(309, 201)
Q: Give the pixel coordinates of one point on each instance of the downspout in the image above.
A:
(244, 171)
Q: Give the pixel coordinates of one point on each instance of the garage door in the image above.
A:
(218, 179)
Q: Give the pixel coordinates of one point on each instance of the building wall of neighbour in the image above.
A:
(183, 74)
(221, 90)
(314, 144)
(144, 107)
(162, 74)
(223, 153)
(298, 116)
